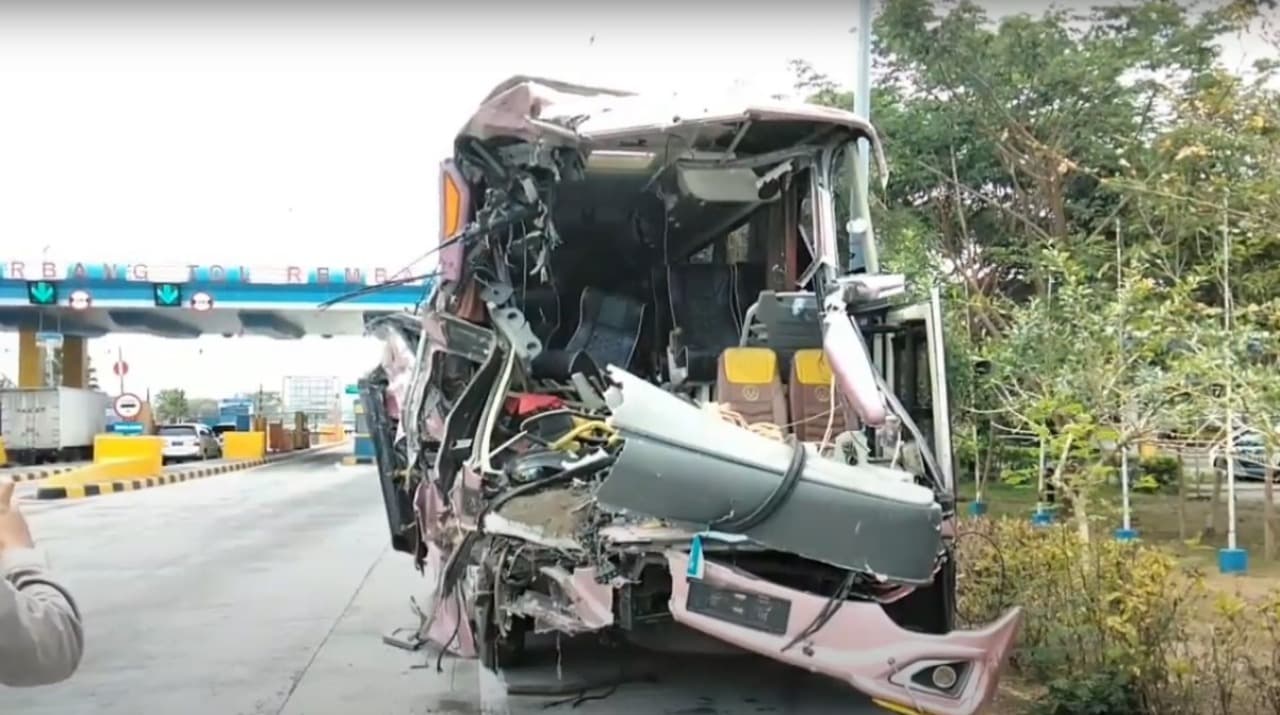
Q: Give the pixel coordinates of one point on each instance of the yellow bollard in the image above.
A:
(244, 445)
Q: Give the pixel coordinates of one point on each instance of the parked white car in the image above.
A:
(188, 441)
(220, 432)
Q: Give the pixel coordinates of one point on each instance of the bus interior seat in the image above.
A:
(809, 397)
(791, 322)
(542, 308)
(748, 382)
(701, 297)
(609, 327)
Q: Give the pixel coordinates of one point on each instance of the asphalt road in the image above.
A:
(267, 591)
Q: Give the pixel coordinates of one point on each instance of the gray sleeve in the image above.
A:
(41, 637)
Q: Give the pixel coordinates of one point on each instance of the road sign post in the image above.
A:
(127, 406)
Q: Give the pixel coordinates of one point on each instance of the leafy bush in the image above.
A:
(1146, 484)
(1018, 477)
(1114, 628)
(1158, 473)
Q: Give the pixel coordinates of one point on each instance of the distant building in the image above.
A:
(318, 397)
(236, 406)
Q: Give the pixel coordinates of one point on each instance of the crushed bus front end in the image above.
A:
(644, 391)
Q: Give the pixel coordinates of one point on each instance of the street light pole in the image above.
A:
(862, 85)
(859, 201)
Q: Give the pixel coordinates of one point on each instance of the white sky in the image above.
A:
(311, 136)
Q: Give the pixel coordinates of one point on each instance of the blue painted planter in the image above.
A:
(1233, 561)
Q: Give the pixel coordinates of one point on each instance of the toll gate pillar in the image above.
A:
(75, 366)
(30, 360)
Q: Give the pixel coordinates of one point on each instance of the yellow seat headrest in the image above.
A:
(810, 367)
(750, 366)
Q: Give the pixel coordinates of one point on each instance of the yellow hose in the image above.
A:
(600, 427)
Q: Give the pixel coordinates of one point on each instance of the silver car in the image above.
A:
(1250, 455)
(188, 441)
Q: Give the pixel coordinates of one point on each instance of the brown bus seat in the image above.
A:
(809, 395)
(748, 382)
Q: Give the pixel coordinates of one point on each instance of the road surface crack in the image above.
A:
(297, 679)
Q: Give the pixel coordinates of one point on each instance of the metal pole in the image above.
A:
(1231, 474)
(859, 204)
(1231, 440)
(1044, 463)
(862, 86)
(1126, 509)
(1124, 476)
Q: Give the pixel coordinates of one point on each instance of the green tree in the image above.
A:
(1004, 135)
(1091, 370)
(1024, 150)
(171, 405)
(201, 407)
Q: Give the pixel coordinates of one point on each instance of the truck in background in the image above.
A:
(51, 424)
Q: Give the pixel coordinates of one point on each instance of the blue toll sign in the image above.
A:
(128, 428)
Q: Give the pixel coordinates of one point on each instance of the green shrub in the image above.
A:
(1018, 477)
(1163, 471)
(1115, 628)
(1146, 484)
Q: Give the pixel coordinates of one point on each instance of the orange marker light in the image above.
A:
(451, 209)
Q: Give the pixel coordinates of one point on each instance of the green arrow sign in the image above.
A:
(168, 295)
(353, 389)
(42, 293)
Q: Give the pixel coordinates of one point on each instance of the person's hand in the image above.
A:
(14, 533)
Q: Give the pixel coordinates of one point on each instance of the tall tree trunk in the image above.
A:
(1079, 510)
(1211, 519)
(1078, 507)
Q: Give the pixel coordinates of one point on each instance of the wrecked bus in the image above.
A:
(643, 390)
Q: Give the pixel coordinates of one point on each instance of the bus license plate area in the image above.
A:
(756, 611)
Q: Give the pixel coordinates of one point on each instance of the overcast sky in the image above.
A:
(311, 136)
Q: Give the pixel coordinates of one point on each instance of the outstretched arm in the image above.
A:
(41, 637)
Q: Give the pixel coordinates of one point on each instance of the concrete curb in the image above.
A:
(39, 473)
(81, 491)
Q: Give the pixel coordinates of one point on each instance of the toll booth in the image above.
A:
(362, 451)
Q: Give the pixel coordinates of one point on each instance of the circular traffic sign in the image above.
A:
(79, 299)
(128, 406)
(120, 369)
(201, 301)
